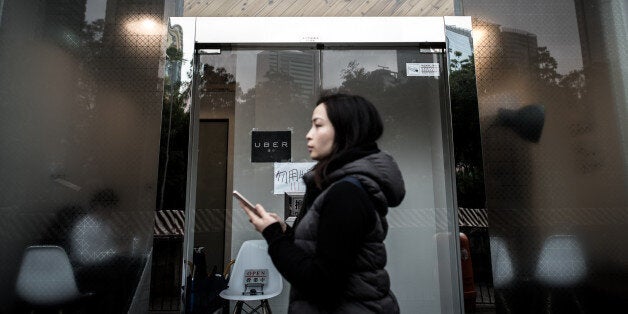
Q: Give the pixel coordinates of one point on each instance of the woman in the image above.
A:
(334, 257)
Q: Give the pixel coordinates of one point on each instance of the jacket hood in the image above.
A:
(379, 175)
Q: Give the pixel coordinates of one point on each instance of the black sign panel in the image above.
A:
(270, 146)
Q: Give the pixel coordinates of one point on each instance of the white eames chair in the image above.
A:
(46, 279)
(253, 278)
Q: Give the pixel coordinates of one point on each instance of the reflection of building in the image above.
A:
(175, 37)
(570, 187)
(507, 56)
(602, 34)
(298, 66)
(520, 50)
(175, 40)
(601, 127)
(459, 39)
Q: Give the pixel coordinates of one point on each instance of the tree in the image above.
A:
(172, 178)
(546, 66)
(385, 87)
(466, 129)
(569, 89)
(217, 87)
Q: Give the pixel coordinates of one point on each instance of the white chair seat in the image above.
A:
(46, 277)
(561, 261)
(503, 270)
(253, 254)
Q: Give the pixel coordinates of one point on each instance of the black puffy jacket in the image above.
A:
(366, 288)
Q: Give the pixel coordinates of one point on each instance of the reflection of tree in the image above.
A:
(381, 86)
(275, 100)
(174, 138)
(546, 67)
(174, 54)
(217, 87)
(277, 87)
(567, 89)
(387, 89)
(89, 52)
(466, 129)
(573, 84)
(547, 82)
(357, 80)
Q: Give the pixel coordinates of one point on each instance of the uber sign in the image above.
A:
(270, 146)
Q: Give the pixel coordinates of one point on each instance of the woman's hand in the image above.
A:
(283, 223)
(264, 219)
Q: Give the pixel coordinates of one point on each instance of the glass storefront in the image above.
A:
(243, 91)
(552, 104)
(84, 89)
(80, 94)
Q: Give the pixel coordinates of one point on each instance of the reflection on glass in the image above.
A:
(166, 269)
(276, 90)
(46, 278)
(410, 107)
(175, 123)
(561, 262)
(572, 175)
(503, 271)
(91, 92)
(92, 241)
(145, 25)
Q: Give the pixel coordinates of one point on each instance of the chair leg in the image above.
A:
(238, 307)
(266, 307)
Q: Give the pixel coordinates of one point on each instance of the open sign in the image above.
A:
(254, 281)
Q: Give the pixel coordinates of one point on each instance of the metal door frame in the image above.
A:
(426, 33)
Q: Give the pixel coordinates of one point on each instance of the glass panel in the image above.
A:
(276, 90)
(552, 96)
(167, 260)
(472, 221)
(253, 90)
(420, 249)
(81, 98)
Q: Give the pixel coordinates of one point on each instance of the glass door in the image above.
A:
(408, 87)
(275, 90)
(255, 82)
(250, 91)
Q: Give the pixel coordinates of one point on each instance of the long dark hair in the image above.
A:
(357, 124)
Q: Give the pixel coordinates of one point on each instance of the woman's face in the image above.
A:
(320, 138)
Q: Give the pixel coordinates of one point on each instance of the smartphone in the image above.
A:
(246, 202)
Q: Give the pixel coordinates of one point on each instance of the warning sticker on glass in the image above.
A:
(422, 69)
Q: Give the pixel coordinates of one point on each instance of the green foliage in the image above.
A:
(173, 149)
(466, 129)
(217, 87)
(546, 66)
(384, 87)
(172, 54)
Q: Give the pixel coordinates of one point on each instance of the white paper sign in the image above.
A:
(288, 176)
(422, 69)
